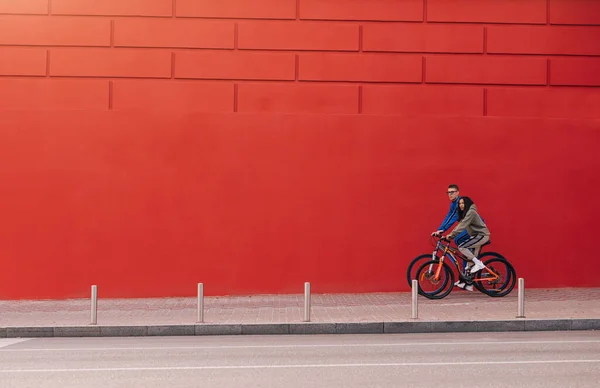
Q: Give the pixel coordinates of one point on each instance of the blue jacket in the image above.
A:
(451, 219)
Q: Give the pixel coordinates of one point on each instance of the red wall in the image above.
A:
(146, 145)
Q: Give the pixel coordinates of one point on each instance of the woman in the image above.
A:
(470, 220)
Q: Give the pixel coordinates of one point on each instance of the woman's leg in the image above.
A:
(475, 243)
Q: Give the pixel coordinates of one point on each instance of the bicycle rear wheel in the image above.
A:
(497, 279)
(484, 257)
(460, 271)
(435, 280)
(491, 254)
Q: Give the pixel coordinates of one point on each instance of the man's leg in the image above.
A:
(468, 253)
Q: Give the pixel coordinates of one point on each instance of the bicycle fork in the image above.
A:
(440, 262)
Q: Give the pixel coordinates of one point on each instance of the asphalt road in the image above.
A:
(535, 359)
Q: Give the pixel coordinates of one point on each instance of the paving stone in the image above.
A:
(548, 325)
(224, 329)
(453, 326)
(266, 328)
(123, 331)
(359, 328)
(407, 327)
(29, 332)
(77, 331)
(585, 324)
(512, 325)
(312, 328)
(170, 330)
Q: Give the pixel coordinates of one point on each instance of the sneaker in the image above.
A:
(477, 267)
(469, 288)
(460, 284)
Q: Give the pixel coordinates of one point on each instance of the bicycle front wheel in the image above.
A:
(435, 280)
(411, 272)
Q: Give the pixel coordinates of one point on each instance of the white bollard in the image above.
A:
(307, 302)
(521, 299)
(415, 292)
(200, 303)
(94, 305)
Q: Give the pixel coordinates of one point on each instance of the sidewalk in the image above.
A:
(545, 309)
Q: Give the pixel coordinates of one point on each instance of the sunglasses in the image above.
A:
(451, 192)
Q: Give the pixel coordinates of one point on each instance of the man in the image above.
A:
(452, 216)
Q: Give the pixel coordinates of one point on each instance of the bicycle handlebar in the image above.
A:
(440, 239)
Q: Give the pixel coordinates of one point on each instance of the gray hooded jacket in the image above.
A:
(472, 223)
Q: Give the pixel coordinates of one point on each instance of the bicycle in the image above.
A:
(419, 260)
(498, 274)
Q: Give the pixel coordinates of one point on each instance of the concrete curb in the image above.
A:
(303, 328)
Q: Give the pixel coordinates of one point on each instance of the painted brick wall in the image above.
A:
(381, 64)
(476, 58)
